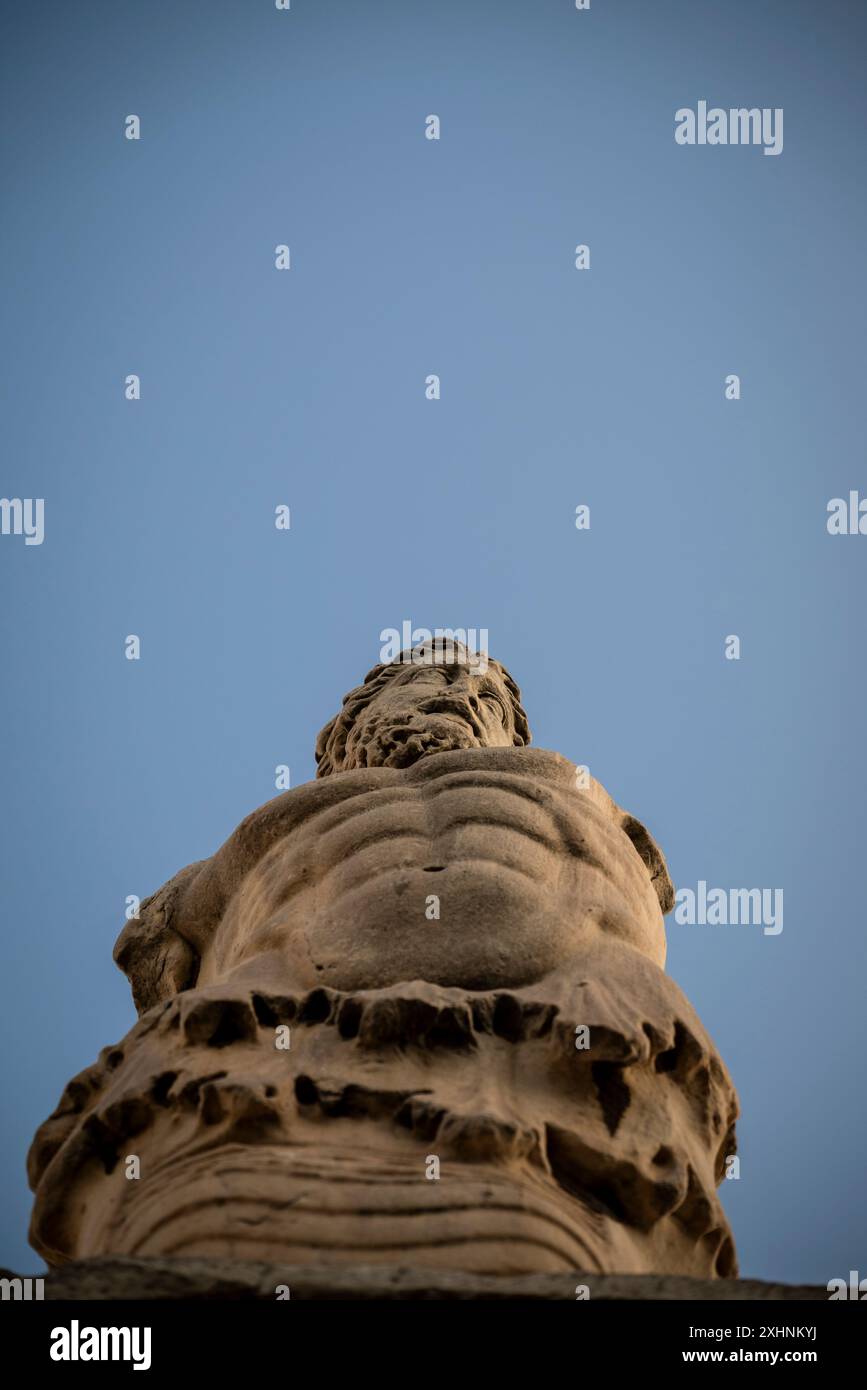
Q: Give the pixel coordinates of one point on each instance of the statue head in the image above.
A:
(434, 698)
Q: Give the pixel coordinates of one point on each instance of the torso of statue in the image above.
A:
(481, 869)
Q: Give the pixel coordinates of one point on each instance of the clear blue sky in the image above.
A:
(412, 257)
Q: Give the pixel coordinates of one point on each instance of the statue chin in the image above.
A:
(402, 744)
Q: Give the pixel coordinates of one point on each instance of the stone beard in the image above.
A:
(413, 1013)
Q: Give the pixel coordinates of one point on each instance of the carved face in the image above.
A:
(432, 707)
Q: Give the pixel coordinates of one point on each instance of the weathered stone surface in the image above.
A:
(125, 1278)
(419, 1038)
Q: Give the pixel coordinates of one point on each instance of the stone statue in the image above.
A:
(413, 1013)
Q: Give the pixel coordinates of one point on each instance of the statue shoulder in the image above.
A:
(544, 767)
